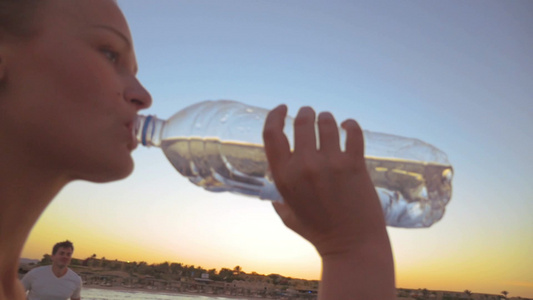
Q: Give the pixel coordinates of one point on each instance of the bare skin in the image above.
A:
(75, 123)
(61, 260)
(331, 201)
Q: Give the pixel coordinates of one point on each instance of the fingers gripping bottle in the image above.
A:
(218, 145)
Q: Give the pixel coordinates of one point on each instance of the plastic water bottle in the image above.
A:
(218, 145)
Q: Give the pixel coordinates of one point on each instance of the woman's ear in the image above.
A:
(2, 54)
(2, 69)
(3, 62)
(2, 66)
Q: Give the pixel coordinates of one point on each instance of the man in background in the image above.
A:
(56, 281)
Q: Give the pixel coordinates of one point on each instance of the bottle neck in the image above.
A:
(148, 130)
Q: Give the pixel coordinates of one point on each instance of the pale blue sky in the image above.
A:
(457, 74)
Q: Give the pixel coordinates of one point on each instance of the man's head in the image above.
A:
(62, 254)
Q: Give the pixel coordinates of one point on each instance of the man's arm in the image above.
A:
(77, 293)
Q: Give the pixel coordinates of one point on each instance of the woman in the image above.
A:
(68, 99)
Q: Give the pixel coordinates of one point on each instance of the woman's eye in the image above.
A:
(110, 54)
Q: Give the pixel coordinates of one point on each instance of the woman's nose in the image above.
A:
(137, 95)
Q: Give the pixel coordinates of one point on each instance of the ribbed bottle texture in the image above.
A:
(218, 145)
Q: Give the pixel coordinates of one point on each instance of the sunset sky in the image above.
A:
(456, 74)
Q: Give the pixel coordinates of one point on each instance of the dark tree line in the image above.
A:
(167, 270)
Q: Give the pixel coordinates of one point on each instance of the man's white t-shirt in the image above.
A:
(44, 285)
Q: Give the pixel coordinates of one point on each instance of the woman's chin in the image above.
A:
(110, 172)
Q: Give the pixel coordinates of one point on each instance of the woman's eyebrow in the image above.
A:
(115, 31)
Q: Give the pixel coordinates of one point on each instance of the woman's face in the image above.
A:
(70, 94)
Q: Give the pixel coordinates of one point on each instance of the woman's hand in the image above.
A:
(329, 197)
(330, 200)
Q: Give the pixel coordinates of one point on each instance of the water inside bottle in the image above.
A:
(412, 193)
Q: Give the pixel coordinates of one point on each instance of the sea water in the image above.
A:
(105, 294)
